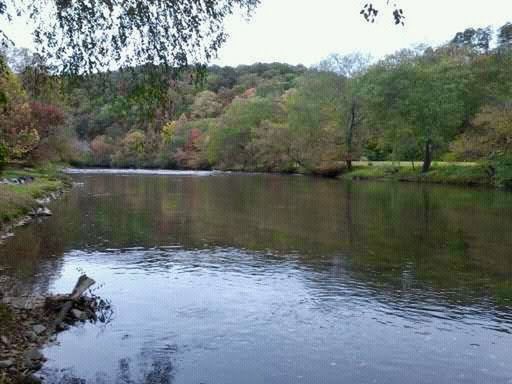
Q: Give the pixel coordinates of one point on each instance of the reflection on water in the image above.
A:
(262, 278)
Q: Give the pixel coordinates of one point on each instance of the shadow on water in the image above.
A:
(231, 278)
(150, 368)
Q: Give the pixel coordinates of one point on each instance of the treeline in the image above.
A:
(452, 103)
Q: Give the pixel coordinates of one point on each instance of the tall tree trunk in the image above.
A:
(428, 156)
(350, 134)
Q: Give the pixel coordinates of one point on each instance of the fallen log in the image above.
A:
(66, 302)
(33, 321)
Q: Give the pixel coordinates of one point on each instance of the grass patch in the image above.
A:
(6, 315)
(18, 200)
(440, 174)
(503, 293)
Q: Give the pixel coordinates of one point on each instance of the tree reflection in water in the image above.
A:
(150, 367)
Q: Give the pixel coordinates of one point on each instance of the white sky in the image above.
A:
(306, 31)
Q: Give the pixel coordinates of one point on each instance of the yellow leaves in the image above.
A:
(498, 119)
(168, 131)
(18, 131)
(134, 141)
(26, 141)
(11, 88)
(491, 133)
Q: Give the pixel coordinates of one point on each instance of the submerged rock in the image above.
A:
(79, 315)
(32, 379)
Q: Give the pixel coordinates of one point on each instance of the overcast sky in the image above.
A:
(305, 31)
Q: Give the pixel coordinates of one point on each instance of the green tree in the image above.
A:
(206, 104)
(229, 143)
(478, 40)
(505, 37)
(352, 67)
(316, 119)
(423, 96)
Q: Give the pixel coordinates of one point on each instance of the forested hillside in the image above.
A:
(452, 103)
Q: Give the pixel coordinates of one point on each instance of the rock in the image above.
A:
(40, 212)
(32, 379)
(79, 315)
(34, 355)
(25, 302)
(43, 211)
(6, 235)
(39, 329)
(62, 327)
(23, 221)
(43, 201)
(4, 364)
(19, 302)
(34, 365)
(32, 336)
(4, 340)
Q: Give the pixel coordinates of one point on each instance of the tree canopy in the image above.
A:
(85, 36)
(90, 35)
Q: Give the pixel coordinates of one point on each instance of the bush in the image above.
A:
(503, 171)
(3, 155)
(374, 151)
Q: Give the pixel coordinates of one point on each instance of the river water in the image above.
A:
(219, 278)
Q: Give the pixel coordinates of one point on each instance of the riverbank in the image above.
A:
(24, 194)
(441, 173)
(450, 173)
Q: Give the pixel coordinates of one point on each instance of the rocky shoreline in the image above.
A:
(28, 323)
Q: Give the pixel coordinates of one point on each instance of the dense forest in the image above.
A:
(450, 103)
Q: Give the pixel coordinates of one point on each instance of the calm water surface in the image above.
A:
(227, 278)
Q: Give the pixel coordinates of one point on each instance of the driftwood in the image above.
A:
(66, 302)
(82, 285)
(37, 319)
